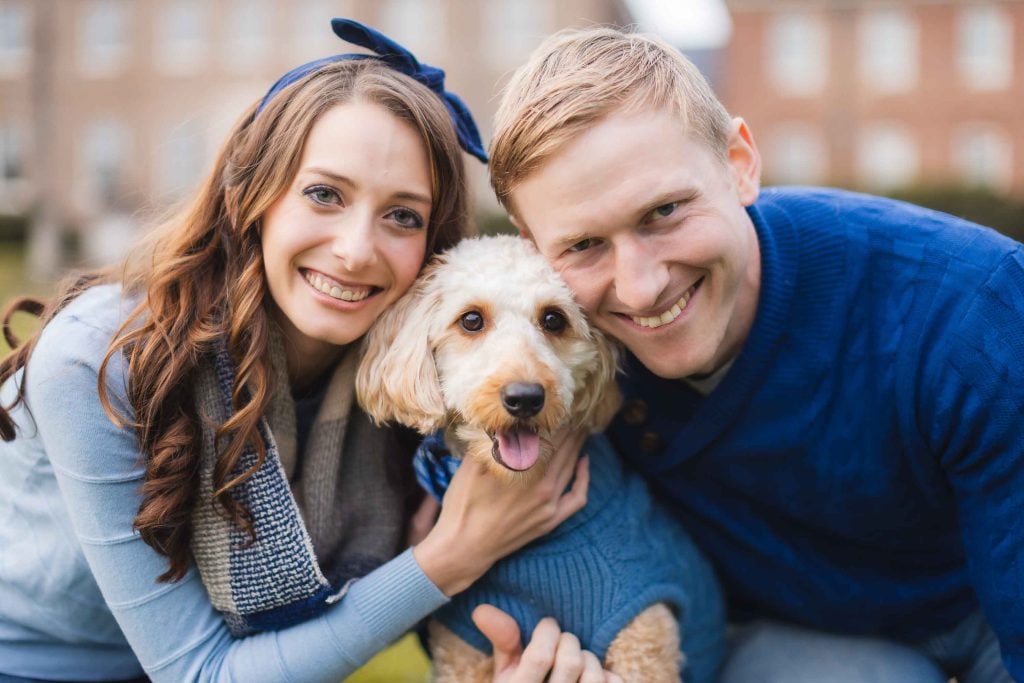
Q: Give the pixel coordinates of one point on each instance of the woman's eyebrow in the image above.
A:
(345, 180)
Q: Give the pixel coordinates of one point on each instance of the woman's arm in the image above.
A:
(173, 629)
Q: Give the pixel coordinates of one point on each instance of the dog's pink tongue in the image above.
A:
(519, 449)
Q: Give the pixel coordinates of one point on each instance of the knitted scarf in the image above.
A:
(322, 518)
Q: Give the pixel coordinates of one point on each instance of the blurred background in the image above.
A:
(112, 110)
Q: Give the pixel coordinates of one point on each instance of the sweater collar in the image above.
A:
(706, 418)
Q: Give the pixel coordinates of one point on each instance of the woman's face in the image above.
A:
(347, 237)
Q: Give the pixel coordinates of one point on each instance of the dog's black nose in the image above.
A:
(522, 399)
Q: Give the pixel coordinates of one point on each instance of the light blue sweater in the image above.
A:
(78, 593)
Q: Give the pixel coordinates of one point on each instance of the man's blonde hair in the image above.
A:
(577, 77)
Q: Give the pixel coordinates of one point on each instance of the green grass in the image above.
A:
(403, 662)
(14, 282)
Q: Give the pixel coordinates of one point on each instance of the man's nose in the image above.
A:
(640, 277)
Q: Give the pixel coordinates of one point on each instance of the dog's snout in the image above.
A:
(522, 399)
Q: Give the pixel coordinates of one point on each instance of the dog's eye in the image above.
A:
(553, 321)
(472, 321)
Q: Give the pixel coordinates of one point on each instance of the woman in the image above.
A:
(182, 461)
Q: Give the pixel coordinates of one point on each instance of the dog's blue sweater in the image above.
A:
(861, 466)
(598, 570)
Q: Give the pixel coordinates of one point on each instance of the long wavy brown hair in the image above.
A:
(199, 278)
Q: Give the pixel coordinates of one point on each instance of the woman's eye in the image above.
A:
(583, 245)
(472, 321)
(324, 196)
(406, 218)
(553, 321)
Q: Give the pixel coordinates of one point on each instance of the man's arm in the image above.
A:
(973, 415)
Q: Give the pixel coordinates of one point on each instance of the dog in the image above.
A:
(489, 346)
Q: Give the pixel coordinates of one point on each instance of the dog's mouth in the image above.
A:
(517, 449)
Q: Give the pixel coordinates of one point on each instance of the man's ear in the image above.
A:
(745, 161)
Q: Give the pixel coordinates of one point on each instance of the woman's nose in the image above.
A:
(354, 241)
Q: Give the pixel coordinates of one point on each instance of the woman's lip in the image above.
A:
(306, 272)
(336, 292)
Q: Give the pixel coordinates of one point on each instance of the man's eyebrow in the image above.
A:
(345, 180)
(683, 196)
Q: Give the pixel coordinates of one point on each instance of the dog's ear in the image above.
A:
(597, 401)
(397, 379)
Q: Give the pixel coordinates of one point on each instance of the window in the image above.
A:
(418, 25)
(103, 38)
(512, 29)
(103, 155)
(886, 156)
(797, 53)
(181, 159)
(983, 156)
(985, 47)
(247, 42)
(182, 31)
(797, 155)
(15, 38)
(888, 54)
(12, 155)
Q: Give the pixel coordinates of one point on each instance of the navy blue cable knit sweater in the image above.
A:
(861, 466)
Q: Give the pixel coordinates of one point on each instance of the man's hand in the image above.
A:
(550, 656)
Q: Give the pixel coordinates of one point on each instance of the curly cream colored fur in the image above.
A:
(425, 367)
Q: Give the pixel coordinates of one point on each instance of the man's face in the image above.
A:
(647, 226)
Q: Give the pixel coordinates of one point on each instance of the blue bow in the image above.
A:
(399, 59)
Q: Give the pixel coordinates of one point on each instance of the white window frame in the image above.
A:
(889, 49)
(888, 156)
(984, 47)
(16, 25)
(797, 45)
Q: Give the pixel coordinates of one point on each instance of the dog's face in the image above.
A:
(489, 344)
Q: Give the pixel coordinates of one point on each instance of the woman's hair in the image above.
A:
(201, 280)
(575, 78)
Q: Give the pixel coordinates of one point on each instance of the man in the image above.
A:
(827, 388)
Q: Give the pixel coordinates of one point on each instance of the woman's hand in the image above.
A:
(551, 656)
(483, 519)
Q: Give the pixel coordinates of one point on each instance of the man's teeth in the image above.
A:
(669, 315)
(334, 291)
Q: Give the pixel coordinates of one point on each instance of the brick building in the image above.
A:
(881, 94)
(120, 104)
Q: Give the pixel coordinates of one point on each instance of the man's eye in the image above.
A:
(664, 210)
(472, 321)
(322, 195)
(583, 245)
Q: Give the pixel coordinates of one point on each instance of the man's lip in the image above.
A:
(648, 320)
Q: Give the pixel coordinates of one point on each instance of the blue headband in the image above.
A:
(399, 59)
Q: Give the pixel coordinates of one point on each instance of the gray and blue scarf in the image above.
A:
(322, 518)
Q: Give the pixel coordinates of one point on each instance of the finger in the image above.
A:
(503, 632)
(592, 671)
(573, 501)
(539, 655)
(613, 678)
(568, 660)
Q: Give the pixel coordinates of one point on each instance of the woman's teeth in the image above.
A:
(669, 315)
(336, 291)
